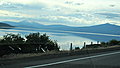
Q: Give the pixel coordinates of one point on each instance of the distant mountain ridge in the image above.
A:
(102, 28)
(107, 28)
(5, 26)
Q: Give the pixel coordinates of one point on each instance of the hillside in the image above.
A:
(102, 29)
(5, 26)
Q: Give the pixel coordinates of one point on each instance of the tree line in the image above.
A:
(103, 44)
(31, 43)
(110, 43)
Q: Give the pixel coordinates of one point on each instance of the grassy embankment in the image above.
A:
(61, 53)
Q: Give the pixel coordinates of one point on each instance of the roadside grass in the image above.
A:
(102, 47)
(17, 56)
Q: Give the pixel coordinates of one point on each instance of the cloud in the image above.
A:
(110, 15)
(67, 12)
(4, 13)
(19, 6)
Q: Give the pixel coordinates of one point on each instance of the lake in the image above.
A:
(64, 39)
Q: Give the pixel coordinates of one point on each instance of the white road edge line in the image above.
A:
(72, 60)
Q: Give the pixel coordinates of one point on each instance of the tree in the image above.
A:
(113, 42)
(41, 43)
(14, 41)
(37, 41)
(104, 44)
(44, 39)
(52, 45)
(77, 48)
(33, 42)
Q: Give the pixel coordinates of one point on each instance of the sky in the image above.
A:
(63, 12)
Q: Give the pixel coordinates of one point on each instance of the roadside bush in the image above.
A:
(34, 43)
(77, 48)
(114, 42)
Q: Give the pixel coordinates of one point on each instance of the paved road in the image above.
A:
(99, 60)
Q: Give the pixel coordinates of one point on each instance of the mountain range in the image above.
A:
(99, 29)
(5, 26)
(102, 28)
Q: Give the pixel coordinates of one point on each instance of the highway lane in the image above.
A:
(99, 60)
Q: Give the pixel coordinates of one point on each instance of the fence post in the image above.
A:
(84, 44)
(71, 47)
(91, 43)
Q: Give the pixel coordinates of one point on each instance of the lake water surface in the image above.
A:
(65, 39)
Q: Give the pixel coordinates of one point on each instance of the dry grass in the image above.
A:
(102, 47)
(17, 56)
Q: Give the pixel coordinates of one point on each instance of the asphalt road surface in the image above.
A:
(98, 60)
